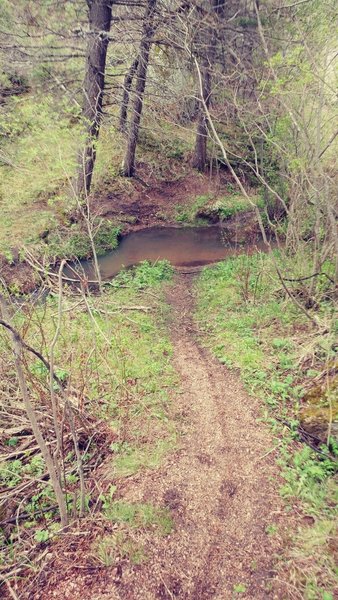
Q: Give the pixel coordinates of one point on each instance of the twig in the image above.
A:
(270, 451)
(309, 277)
(78, 460)
(23, 516)
(10, 589)
(166, 587)
(118, 308)
(36, 353)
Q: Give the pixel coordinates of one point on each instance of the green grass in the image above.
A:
(130, 375)
(227, 206)
(119, 360)
(132, 460)
(140, 516)
(209, 207)
(188, 213)
(41, 137)
(123, 544)
(250, 324)
(39, 146)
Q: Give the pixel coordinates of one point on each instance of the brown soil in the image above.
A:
(19, 276)
(150, 200)
(220, 485)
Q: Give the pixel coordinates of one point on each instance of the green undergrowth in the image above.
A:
(129, 377)
(40, 137)
(114, 357)
(39, 140)
(251, 324)
(139, 516)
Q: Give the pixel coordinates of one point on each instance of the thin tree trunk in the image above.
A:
(128, 80)
(215, 11)
(100, 12)
(200, 157)
(17, 345)
(141, 75)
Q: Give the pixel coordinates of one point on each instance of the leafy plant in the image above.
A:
(145, 275)
(41, 535)
(11, 473)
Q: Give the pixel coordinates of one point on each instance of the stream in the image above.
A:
(181, 246)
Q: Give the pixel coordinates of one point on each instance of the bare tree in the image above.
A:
(100, 13)
(199, 160)
(141, 75)
(127, 84)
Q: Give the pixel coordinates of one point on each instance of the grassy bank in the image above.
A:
(252, 325)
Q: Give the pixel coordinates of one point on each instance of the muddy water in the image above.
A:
(183, 247)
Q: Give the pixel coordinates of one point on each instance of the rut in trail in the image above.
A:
(219, 485)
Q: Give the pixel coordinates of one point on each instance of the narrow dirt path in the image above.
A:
(228, 483)
(219, 485)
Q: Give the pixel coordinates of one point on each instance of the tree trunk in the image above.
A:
(147, 33)
(100, 12)
(128, 80)
(199, 160)
(213, 12)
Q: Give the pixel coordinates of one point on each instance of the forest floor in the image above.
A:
(220, 485)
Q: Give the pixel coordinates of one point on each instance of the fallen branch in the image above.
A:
(119, 308)
(23, 516)
(309, 277)
(10, 589)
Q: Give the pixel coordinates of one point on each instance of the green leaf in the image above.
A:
(41, 535)
(240, 588)
(12, 441)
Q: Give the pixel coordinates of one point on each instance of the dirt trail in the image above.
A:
(219, 485)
